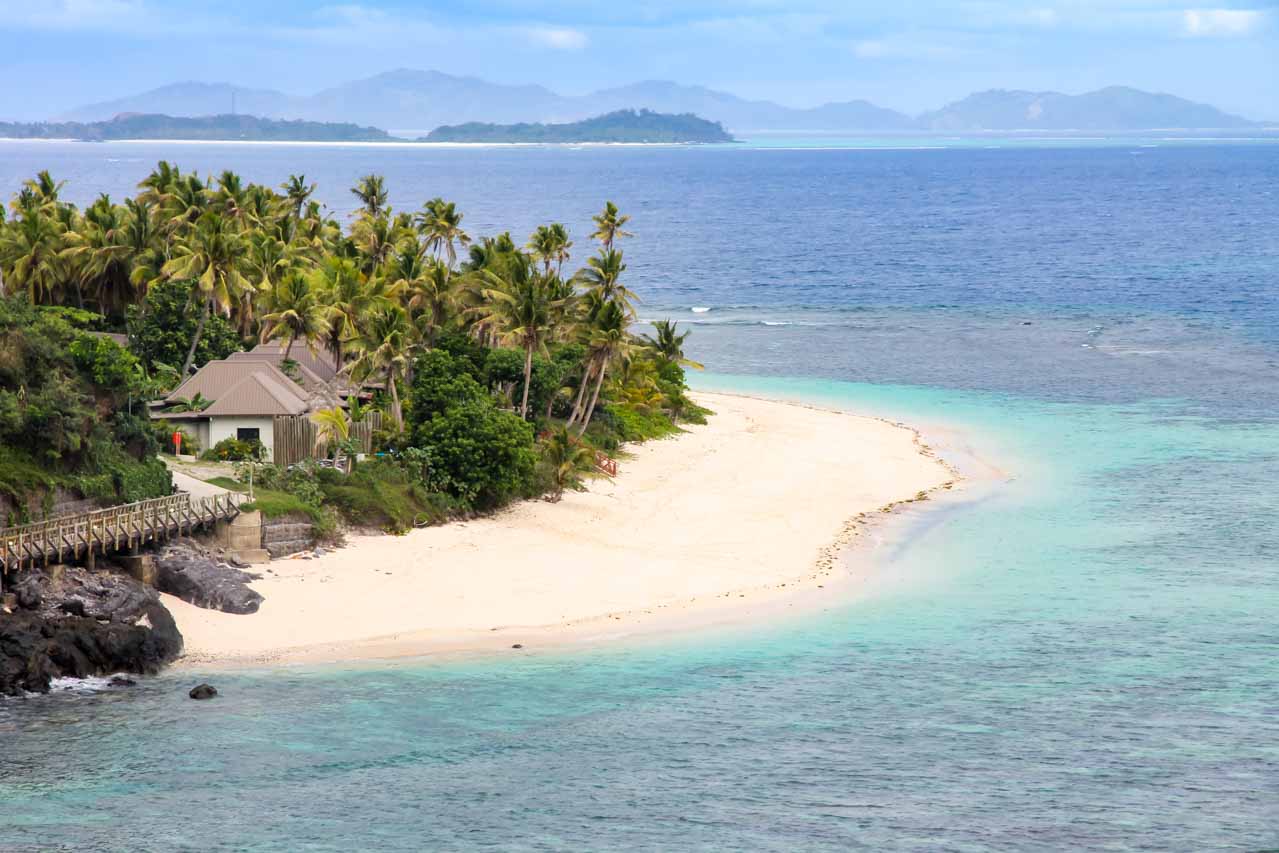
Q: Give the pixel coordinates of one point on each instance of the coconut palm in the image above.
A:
(296, 313)
(344, 292)
(566, 462)
(384, 348)
(608, 341)
(30, 255)
(298, 192)
(668, 346)
(441, 225)
(213, 256)
(423, 286)
(376, 238)
(100, 255)
(332, 428)
(371, 191)
(603, 275)
(608, 226)
(522, 312)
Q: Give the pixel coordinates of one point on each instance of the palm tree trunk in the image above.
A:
(599, 382)
(528, 376)
(581, 392)
(395, 401)
(195, 340)
(288, 348)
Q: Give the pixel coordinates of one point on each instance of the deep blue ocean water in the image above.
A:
(1087, 658)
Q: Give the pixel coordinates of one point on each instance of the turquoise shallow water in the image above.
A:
(1085, 658)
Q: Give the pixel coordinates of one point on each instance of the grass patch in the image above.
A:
(383, 495)
(227, 483)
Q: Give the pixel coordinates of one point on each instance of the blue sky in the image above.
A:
(911, 54)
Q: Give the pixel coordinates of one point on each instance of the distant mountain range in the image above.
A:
(424, 100)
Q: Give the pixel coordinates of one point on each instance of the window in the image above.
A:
(248, 434)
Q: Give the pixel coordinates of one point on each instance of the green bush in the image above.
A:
(631, 424)
(477, 454)
(160, 330)
(440, 381)
(234, 450)
(383, 494)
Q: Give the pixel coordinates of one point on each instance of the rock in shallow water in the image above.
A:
(203, 691)
(118, 625)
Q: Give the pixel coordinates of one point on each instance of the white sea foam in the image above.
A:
(700, 309)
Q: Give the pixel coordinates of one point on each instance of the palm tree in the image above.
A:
(441, 225)
(344, 293)
(100, 255)
(567, 462)
(421, 285)
(231, 198)
(332, 428)
(376, 237)
(522, 312)
(608, 226)
(384, 348)
(371, 191)
(146, 252)
(30, 248)
(295, 313)
(608, 340)
(297, 191)
(213, 256)
(602, 274)
(668, 346)
(562, 245)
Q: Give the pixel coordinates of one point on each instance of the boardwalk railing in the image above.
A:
(113, 529)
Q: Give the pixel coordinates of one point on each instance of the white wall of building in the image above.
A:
(222, 427)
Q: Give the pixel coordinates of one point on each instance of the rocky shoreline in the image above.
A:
(70, 621)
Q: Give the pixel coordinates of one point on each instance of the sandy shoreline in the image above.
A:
(752, 508)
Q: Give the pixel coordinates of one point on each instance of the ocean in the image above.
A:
(1087, 657)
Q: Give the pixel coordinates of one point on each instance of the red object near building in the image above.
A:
(177, 443)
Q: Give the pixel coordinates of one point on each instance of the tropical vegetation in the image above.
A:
(500, 374)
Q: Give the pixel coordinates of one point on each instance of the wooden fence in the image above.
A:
(113, 529)
(294, 437)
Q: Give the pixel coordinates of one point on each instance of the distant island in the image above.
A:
(424, 100)
(642, 126)
(212, 128)
(634, 126)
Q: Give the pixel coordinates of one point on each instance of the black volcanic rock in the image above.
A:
(124, 628)
(203, 691)
(185, 570)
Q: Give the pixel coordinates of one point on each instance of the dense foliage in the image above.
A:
(64, 413)
(470, 348)
(160, 329)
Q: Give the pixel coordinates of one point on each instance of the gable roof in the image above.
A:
(318, 362)
(257, 395)
(216, 378)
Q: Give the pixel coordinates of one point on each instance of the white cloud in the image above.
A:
(558, 38)
(1220, 22)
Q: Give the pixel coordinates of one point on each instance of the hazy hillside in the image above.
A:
(422, 100)
(192, 99)
(1113, 108)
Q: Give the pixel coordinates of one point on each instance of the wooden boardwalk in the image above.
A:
(118, 528)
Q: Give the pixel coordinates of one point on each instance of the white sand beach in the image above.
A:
(755, 504)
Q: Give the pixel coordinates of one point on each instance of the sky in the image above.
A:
(911, 55)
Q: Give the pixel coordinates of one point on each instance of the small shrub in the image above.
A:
(234, 450)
